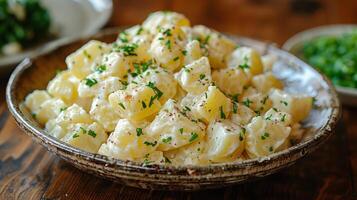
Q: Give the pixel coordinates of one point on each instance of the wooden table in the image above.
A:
(28, 171)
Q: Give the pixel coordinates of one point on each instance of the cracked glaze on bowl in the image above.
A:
(298, 77)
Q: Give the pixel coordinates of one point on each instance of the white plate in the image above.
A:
(348, 96)
(71, 19)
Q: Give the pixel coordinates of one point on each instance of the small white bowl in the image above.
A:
(348, 96)
(70, 20)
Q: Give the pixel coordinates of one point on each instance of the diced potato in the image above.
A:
(64, 86)
(86, 137)
(167, 47)
(195, 77)
(212, 105)
(268, 62)
(114, 64)
(103, 112)
(264, 82)
(192, 52)
(137, 102)
(174, 128)
(217, 45)
(192, 154)
(241, 114)
(230, 80)
(246, 58)
(128, 142)
(88, 56)
(265, 136)
(180, 94)
(298, 106)
(224, 140)
(34, 100)
(159, 19)
(277, 116)
(50, 109)
(162, 79)
(256, 101)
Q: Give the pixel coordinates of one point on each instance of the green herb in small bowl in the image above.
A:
(335, 56)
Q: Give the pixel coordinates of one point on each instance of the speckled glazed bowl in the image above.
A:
(298, 77)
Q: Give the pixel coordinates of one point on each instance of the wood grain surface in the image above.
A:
(28, 171)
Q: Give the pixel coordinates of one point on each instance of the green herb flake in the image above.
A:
(122, 105)
(284, 102)
(92, 133)
(264, 136)
(123, 37)
(75, 135)
(193, 137)
(139, 132)
(63, 109)
(90, 82)
(167, 160)
(202, 76)
(235, 107)
(184, 52)
(168, 44)
(101, 68)
(269, 117)
(247, 102)
(283, 118)
(86, 54)
(245, 64)
(176, 58)
(143, 104)
(167, 140)
(181, 130)
(153, 144)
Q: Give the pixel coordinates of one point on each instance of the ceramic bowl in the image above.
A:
(297, 76)
(70, 20)
(348, 96)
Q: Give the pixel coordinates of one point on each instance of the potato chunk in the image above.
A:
(87, 57)
(50, 109)
(298, 106)
(231, 80)
(225, 141)
(195, 77)
(34, 100)
(212, 105)
(86, 137)
(64, 86)
(192, 154)
(137, 102)
(128, 142)
(246, 58)
(265, 136)
(159, 19)
(192, 52)
(264, 82)
(217, 45)
(174, 128)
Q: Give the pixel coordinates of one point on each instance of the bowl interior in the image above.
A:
(297, 76)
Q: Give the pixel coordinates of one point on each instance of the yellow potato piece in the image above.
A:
(246, 58)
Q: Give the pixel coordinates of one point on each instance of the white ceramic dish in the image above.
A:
(71, 19)
(348, 96)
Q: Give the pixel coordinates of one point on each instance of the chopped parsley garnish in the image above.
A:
(150, 143)
(202, 76)
(271, 149)
(123, 37)
(63, 109)
(147, 162)
(241, 134)
(127, 49)
(245, 64)
(176, 58)
(247, 102)
(223, 116)
(75, 135)
(264, 136)
(157, 95)
(283, 118)
(264, 100)
(143, 104)
(86, 54)
(181, 130)
(101, 68)
(206, 39)
(83, 130)
(235, 107)
(276, 110)
(167, 32)
(186, 109)
(184, 52)
(194, 136)
(284, 102)
(90, 82)
(167, 140)
(139, 131)
(122, 105)
(269, 117)
(168, 44)
(140, 30)
(167, 160)
(92, 133)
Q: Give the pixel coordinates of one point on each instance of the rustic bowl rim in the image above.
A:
(322, 134)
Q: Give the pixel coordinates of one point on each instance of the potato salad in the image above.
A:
(169, 93)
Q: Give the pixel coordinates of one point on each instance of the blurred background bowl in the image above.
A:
(295, 44)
